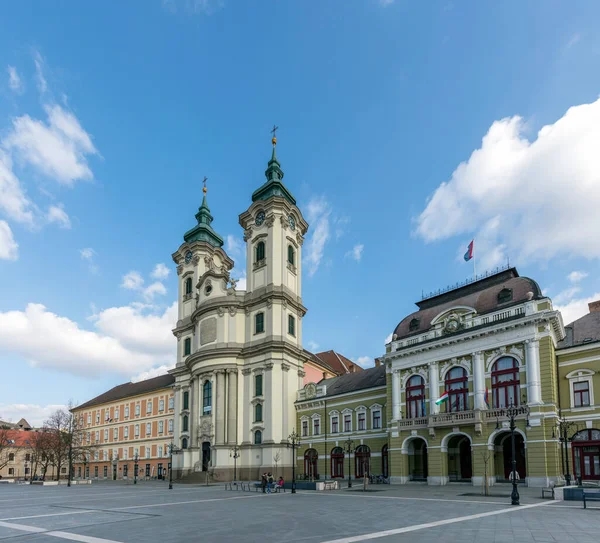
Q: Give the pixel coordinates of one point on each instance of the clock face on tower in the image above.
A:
(260, 218)
(188, 257)
(292, 222)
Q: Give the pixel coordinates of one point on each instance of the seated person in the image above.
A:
(280, 482)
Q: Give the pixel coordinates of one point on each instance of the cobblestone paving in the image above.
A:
(148, 512)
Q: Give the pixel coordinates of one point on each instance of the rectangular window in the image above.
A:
(98, 417)
(11, 471)
(97, 436)
(147, 452)
(376, 420)
(170, 426)
(161, 426)
(317, 427)
(148, 428)
(304, 428)
(581, 394)
(186, 400)
(149, 407)
(27, 457)
(136, 452)
(160, 451)
(161, 406)
(116, 413)
(347, 423)
(96, 472)
(105, 456)
(126, 432)
(105, 435)
(105, 471)
(115, 434)
(259, 323)
(334, 425)
(171, 403)
(291, 325)
(137, 409)
(125, 452)
(96, 455)
(126, 411)
(187, 346)
(137, 430)
(258, 382)
(362, 421)
(89, 418)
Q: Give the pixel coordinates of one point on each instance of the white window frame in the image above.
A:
(171, 403)
(96, 455)
(161, 426)
(332, 415)
(160, 451)
(345, 413)
(97, 417)
(137, 409)
(161, 406)
(148, 428)
(89, 418)
(106, 435)
(125, 453)
(126, 432)
(374, 409)
(116, 414)
(581, 376)
(137, 430)
(148, 451)
(170, 425)
(306, 420)
(115, 434)
(97, 436)
(126, 412)
(149, 407)
(105, 455)
(315, 418)
(362, 410)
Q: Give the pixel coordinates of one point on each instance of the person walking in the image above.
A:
(269, 482)
(263, 482)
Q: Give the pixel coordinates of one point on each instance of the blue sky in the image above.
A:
(406, 129)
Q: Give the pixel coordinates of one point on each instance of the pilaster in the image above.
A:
(232, 407)
(479, 380)
(534, 392)
(396, 411)
(434, 387)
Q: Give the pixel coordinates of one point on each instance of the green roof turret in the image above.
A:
(203, 231)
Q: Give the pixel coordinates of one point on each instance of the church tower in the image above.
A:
(240, 357)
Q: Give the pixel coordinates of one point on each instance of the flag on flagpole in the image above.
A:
(485, 398)
(442, 398)
(469, 254)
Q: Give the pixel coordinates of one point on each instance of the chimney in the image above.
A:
(324, 375)
(594, 306)
(377, 362)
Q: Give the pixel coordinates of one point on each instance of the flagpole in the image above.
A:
(474, 268)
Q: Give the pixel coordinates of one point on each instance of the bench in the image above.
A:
(277, 488)
(548, 490)
(234, 485)
(590, 496)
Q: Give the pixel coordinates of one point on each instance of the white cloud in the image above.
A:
(9, 248)
(566, 295)
(234, 247)
(39, 72)
(575, 308)
(312, 345)
(511, 192)
(154, 372)
(13, 202)
(317, 212)
(14, 81)
(576, 276)
(58, 148)
(388, 339)
(155, 289)
(56, 214)
(133, 280)
(365, 362)
(356, 252)
(34, 414)
(160, 272)
(87, 254)
(45, 339)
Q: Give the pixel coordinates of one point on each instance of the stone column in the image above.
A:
(220, 409)
(479, 380)
(285, 431)
(232, 396)
(177, 416)
(532, 358)
(268, 403)
(434, 387)
(193, 422)
(246, 411)
(396, 395)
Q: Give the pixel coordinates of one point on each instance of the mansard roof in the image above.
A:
(481, 295)
(354, 382)
(127, 390)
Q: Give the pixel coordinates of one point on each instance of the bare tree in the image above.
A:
(39, 446)
(485, 456)
(57, 428)
(276, 459)
(7, 447)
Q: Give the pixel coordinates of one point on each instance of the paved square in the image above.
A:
(148, 512)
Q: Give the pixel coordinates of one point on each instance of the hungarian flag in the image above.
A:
(442, 398)
(469, 253)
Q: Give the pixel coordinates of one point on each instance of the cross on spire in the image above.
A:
(204, 189)
(274, 132)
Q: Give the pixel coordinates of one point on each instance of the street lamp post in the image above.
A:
(135, 468)
(172, 450)
(564, 427)
(234, 453)
(293, 441)
(349, 447)
(513, 411)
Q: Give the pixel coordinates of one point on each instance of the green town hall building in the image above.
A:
(434, 408)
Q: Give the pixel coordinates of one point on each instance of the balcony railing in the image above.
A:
(456, 418)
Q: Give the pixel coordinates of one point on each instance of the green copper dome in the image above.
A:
(203, 231)
(274, 185)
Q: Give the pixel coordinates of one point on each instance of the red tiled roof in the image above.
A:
(338, 362)
(21, 438)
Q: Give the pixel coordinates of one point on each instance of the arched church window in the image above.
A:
(185, 424)
(505, 295)
(207, 398)
(258, 413)
(257, 437)
(505, 382)
(184, 443)
(260, 251)
(291, 255)
(413, 325)
(188, 285)
(415, 397)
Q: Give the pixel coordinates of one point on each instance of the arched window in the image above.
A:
(384, 461)
(457, 386)
(257, 437)
(291, 255)
(505, 295)
(258, 382)
(337, 462)
(413, 325)
(188, 285)
(185, 424)
(311, 456)
(505, 382)
(260, 251)
(362, 461)
(258, 412)
(184, 443)
(415, 397)
(207, 398)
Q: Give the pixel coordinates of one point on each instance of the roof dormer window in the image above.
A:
(505, 295)
(413, 325)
